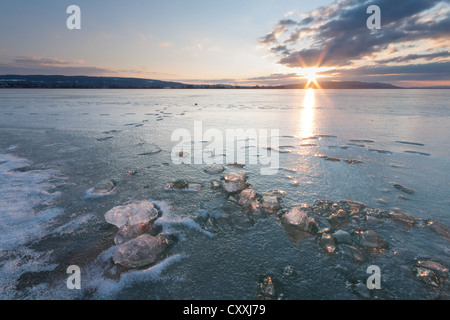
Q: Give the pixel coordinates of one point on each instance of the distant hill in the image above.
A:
(50, 81)
(87, 82)
(434, 87)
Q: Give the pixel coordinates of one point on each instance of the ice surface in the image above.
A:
(101, 189)
(230, 260)
(20, 193)
(78, 225)
(172, 223)
(20, 223)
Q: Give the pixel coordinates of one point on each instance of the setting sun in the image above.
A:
(311, 75)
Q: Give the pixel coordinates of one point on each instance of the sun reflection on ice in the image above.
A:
(307, 114)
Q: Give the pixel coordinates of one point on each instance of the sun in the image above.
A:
(311, 75)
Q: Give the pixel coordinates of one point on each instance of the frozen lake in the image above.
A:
(389, 149)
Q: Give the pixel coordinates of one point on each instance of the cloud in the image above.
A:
(337, 36)
(23, 65)
(287, 22)
(298, 34)
(38, 61)
(268, 38)
(410, 57)
(419, 72)
(272, 79)
(276, 76)
(280, 49)
(53, 70)
(54, 66)
(344, 37)
(272, 37)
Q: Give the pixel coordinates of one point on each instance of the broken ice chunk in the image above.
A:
(132, 214)
(141, 251)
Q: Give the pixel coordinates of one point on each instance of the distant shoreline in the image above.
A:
(217, 88)
(87, 82)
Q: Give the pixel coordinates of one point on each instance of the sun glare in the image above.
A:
(310, 74)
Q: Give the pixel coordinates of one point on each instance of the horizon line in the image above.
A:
(223, 85)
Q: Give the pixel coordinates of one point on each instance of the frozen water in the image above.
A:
(20, 222)
(49, 222)
(21, 192)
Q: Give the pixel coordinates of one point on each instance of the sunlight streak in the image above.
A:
(307, 114)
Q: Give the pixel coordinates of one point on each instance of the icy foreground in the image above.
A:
(91, 183)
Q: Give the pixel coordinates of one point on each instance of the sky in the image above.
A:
(245, 42)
